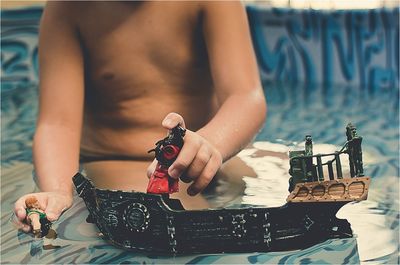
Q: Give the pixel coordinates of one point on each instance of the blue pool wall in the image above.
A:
(359, 48)
(19, 47)
(347, 47)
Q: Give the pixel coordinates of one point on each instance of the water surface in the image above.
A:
(294, 111)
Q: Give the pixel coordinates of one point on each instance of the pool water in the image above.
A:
(294, 111)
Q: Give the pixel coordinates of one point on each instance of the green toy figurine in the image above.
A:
(41, 226)
(34, 215)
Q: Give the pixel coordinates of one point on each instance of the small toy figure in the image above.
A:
(166, 152)
(35, 216)
(41, 226)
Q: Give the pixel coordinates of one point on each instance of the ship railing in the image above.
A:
(315, 168)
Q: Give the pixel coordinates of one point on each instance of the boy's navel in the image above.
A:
(107, 76)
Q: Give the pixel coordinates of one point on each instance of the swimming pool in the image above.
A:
(292, 114)
(294, 111)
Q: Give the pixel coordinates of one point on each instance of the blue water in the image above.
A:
(294, 111)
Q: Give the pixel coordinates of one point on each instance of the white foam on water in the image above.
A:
(270, 186)
(268, 146)
(374, 221)
(374, 238)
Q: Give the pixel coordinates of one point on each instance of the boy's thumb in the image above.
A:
(52, 216)
(172, 120)
(54, 210)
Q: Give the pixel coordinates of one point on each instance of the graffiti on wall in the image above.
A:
(331, 47)
(352, 47)
(19, 47)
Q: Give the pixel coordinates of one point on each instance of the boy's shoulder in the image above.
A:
(65, 11)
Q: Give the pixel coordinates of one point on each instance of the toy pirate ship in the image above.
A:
(156, 223)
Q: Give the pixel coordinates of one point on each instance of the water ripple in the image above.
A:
(293, 113)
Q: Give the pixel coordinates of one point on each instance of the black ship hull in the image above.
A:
(151, 223)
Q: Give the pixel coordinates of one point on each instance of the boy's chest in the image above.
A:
(139, 34)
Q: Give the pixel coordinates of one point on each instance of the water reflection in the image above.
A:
(293, 112)
(323, 112)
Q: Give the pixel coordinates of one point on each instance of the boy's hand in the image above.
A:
(198, 161)
(53, 204)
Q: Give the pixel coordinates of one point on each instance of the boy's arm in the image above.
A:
(57, 137)
(236, 78)
(242, 106)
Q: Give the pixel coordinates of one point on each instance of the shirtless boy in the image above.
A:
(110, 72)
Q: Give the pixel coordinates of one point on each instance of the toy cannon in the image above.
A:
(156, 223)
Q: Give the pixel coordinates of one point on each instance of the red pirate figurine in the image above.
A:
(166, 152)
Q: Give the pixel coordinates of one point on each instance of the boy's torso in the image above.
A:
(142, 61)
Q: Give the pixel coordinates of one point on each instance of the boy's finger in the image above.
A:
(20, 225)
(25, 228)
(20, 214)
(172, 120)
(18, 219)
(199, 162)
(205, 177)
(20, 208)
(183, 160)
(185, 178)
